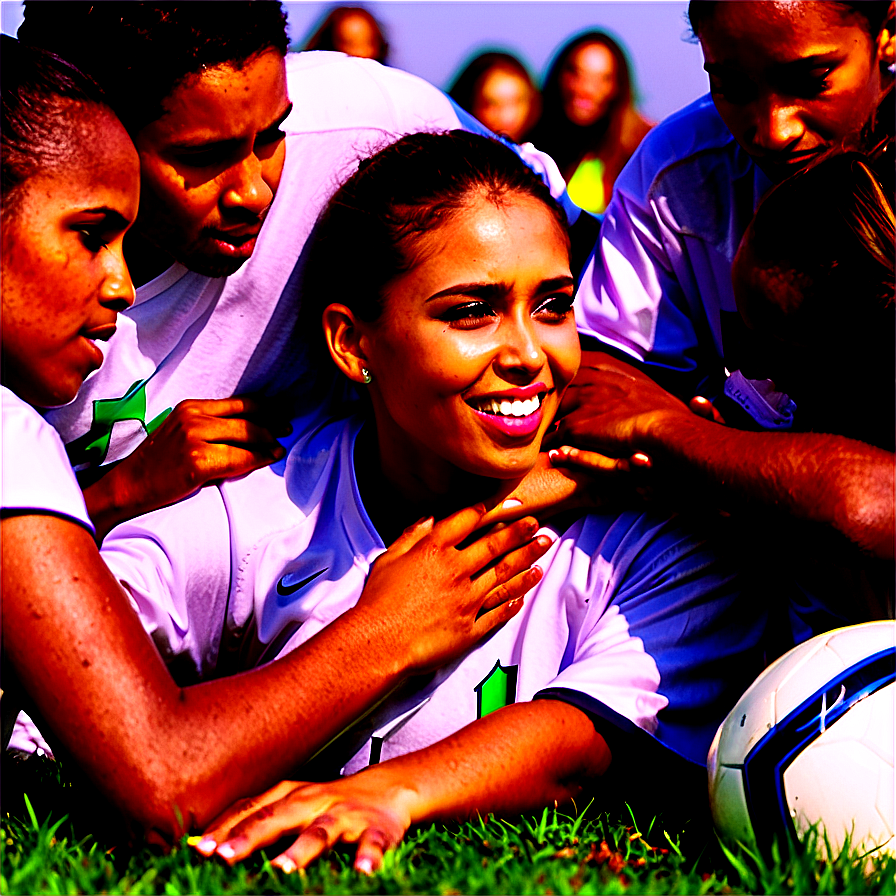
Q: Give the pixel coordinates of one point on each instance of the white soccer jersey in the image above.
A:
(636, 621)
(659, 288)
(191, 336)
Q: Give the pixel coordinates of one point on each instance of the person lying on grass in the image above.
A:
(458, 320)
(74, 651)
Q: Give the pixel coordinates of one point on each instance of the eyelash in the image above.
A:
(92, 239)
(555, 308)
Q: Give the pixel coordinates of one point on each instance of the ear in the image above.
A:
(886, 40)
(343, 337)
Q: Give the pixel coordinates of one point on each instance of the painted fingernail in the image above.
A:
(364, 865)
(511, 502)
(226, 851)
(205, 845)
(286, 865)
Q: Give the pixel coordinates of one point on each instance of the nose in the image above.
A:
(117, 290)
(247, 188)
(521, 355)
(777, 124)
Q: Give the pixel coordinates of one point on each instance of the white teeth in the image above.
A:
(508, 408)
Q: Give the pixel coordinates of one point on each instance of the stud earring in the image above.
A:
(367, 376)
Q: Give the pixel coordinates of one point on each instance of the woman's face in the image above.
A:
(792, 78)
(503, 103)
(64, 275)
(588, 84)
(477, 342)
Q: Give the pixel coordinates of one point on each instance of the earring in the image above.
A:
(367, 376)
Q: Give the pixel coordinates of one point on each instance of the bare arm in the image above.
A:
(173, 758)
(519, 758)
(615, 409)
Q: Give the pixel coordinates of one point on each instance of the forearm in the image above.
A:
(517, 759)
(821, 478)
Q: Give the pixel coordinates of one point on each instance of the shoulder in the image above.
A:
(330, 90)
(36, 473)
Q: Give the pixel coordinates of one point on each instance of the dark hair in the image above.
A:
(874, 12)
(323, 37)
(829, 232)
(404, 191)
(613, 137)
(39, 130)
(139, 52)
(465, 85)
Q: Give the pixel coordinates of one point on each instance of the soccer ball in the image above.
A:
(811, 741)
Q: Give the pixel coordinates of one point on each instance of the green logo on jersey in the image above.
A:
(93, 446)
(497, 689)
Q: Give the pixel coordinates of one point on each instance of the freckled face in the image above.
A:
(790, 79)
(212, 163)
(64, 278)
(477, 341)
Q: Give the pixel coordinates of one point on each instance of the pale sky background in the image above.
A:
(433, 38)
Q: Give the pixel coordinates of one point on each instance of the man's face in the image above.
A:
(210, 166)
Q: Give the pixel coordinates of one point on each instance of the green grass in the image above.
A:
(49, 844)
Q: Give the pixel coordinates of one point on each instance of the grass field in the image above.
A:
(49, 844)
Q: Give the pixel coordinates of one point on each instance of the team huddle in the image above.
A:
(328, 418)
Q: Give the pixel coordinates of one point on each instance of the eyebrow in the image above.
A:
(495, 290)
(803, 62)
(188, 145)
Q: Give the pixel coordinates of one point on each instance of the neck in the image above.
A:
(399, 488)
(145, 261)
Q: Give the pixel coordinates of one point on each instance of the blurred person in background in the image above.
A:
(497, 89)
(353, 31)
(589, 123)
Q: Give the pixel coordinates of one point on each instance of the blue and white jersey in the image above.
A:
(192, 336)
(636, 620)
(659, 287)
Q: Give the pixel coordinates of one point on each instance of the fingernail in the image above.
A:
(642, 460)
(553, 454)
(364, 865)
(226, 851)
(511, 502)
(205, 845)
(287, 866)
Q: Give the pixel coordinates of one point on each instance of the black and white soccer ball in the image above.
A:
(811, 742)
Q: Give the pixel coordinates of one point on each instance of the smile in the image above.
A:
(506, 407)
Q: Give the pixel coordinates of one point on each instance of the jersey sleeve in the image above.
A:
(669, 638)
(174, 564)
(35, 474)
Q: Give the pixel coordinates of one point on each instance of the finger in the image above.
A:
(226, 462)
(313, 842)
(478, 554)
(587, 460)
(219, 830)
(455, 528)
(411, 536)
(511, 565)
(218, 407)
(703, 407)
(236, 431)
(507, 609)
(372, 845)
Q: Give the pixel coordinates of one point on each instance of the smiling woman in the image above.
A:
(456, 317)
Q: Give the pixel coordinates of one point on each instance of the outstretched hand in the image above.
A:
(199, 442)
(441, 594)
(360, 809)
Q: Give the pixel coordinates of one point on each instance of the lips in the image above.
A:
(516, 413)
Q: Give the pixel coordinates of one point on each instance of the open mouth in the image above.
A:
(507, 407)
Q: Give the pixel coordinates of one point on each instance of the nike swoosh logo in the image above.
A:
(286, 590)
